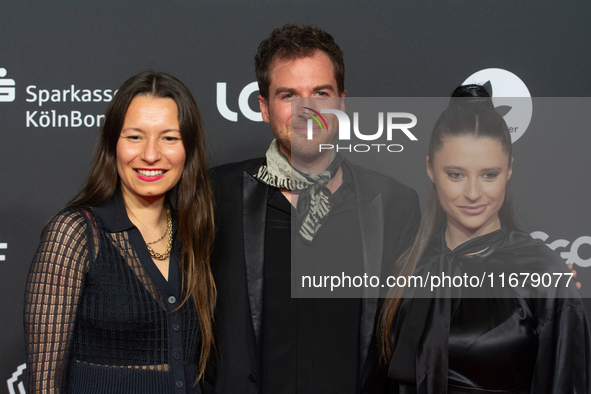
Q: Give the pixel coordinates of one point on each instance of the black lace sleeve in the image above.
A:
(53, 289)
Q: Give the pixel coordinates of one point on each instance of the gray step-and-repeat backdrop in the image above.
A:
(60, 63)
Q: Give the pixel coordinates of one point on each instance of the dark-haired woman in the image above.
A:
(120, 296)
(494, 339)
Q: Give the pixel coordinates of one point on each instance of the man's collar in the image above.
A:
(347, 176)
(363, 188)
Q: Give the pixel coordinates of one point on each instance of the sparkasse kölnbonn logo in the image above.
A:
(7, 87)
(510, 97)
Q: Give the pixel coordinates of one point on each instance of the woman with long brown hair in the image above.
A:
(120, 295)
(497, 338)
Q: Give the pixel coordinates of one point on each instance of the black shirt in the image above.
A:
(310, 345)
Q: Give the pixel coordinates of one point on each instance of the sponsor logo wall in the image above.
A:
(61, 63)
(570, 255)
(16, 383)
(511, 97)
(245, 109)
(7, 89)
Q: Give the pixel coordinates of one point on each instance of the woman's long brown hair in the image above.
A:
(470, 113)
(191, 197)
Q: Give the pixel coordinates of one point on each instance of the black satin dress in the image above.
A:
(491, 339)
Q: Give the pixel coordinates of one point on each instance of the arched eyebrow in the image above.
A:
(324, 87)
(168, 130)
(492, 169)
(142, 131)
(458, 168)
(133, 129)
(284, 90)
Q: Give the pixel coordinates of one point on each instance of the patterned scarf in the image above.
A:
(315, 200)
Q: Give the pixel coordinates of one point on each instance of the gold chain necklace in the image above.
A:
(159, 239)
(165, 255)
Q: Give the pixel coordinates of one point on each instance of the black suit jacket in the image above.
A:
(389, 214)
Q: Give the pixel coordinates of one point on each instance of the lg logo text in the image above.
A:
(222, 103)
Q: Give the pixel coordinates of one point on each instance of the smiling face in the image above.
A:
(150, 152)
(296, 78)
(471, 176)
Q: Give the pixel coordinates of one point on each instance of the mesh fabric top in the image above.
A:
(99, 315)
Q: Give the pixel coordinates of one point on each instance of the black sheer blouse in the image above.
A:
(497, 339)
(99, 315)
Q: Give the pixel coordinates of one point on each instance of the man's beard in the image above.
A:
(303, 148)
